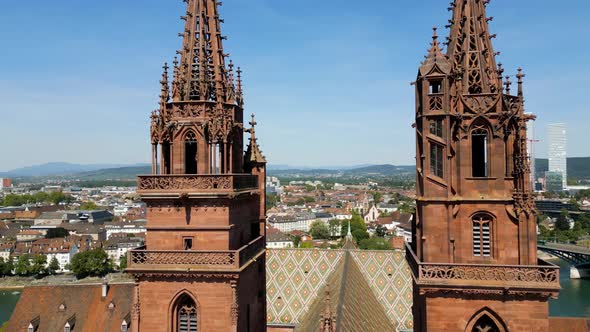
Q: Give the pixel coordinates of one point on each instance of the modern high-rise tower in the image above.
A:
(474, 252)
(203, 268)
(557, 152)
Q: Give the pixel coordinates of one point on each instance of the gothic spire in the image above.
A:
(165, 91)
(202, 72)
(253, 153)
(470, 47)
(435, 57)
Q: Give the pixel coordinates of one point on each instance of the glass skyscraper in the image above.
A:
(558, 150)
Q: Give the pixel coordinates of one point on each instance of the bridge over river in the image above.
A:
(577, 256)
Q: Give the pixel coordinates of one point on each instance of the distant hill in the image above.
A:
(378, 170)
(121, 173)
(577, 168)
(56, 169)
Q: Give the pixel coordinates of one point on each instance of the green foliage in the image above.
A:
(309, 188)
(123, 262)
(3, 327)
(381, 231)
(40, 197)
(319, 230)
(38, 265)
(357, 226)
(7, 267)
(306, 245)
(92, 263)
(309, 199)
(377, 196)
(296, 241)
(23, 265)
(88, 206)
(53, 266)
(374, 243)
(53, 233)
(272, 200)
(562, 223)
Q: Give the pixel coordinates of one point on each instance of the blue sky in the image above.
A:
(328, 80)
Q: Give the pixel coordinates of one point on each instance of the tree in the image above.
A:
(319, 230)
(8, 267)
(375, 243)
(53, 233)
(92, 263)
(357, 226)
(88, 206)
(38, 266)
(23, 265)
(562, 223)
(296, 241)
(381, 231)
(123, 262)
(306, 245)
(272, 200)
(377, 197)
(53, 266)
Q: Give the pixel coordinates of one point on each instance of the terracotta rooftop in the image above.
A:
(52, 306)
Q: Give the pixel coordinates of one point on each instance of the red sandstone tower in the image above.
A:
(474, 255)
(203, 268)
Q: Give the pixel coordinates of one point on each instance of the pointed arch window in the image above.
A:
(482, 235)
(479, 152)
(190, 153)
(185, 315)
(486, 321)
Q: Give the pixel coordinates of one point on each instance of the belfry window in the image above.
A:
(436, 160)
(190, 153)
(485, 323)
(479, 153)
(435, 87)
(482, 240)
(188, 243)
(186, 315)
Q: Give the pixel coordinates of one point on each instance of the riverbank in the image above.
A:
(19, 283)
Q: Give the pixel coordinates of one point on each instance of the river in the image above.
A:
(8, 301)
(574, 297)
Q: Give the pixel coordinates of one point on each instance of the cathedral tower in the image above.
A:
(203, 267)
(474, 254)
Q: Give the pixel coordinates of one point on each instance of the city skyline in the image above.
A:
(88, 114)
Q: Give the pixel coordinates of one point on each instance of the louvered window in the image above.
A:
(482, 238)
(187, 316)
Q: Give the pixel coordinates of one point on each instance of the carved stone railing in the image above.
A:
(196, 183)
(543, 276)
(435, 102)
(251, 250)
(142, 260)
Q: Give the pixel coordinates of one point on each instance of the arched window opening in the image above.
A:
(486, 324)
(216, 158)
(165, 165)
(479, 153)
(482, 237)
(185, 314)
(190, 153)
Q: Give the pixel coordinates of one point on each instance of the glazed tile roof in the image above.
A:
(352, 301)
(377, 280)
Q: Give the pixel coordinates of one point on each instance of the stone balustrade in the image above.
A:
(196, 183)
(544, 275)
(182, 261)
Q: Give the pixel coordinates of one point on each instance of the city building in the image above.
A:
(557, 152)
(5, 183)
(531, 142)
(475, 210)
(554, 181)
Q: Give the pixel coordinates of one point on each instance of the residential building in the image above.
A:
(5, 183)
(125, 228)
(372, 214)
(557, 152)
(117, 248)
(278, 240)
(28, 235)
